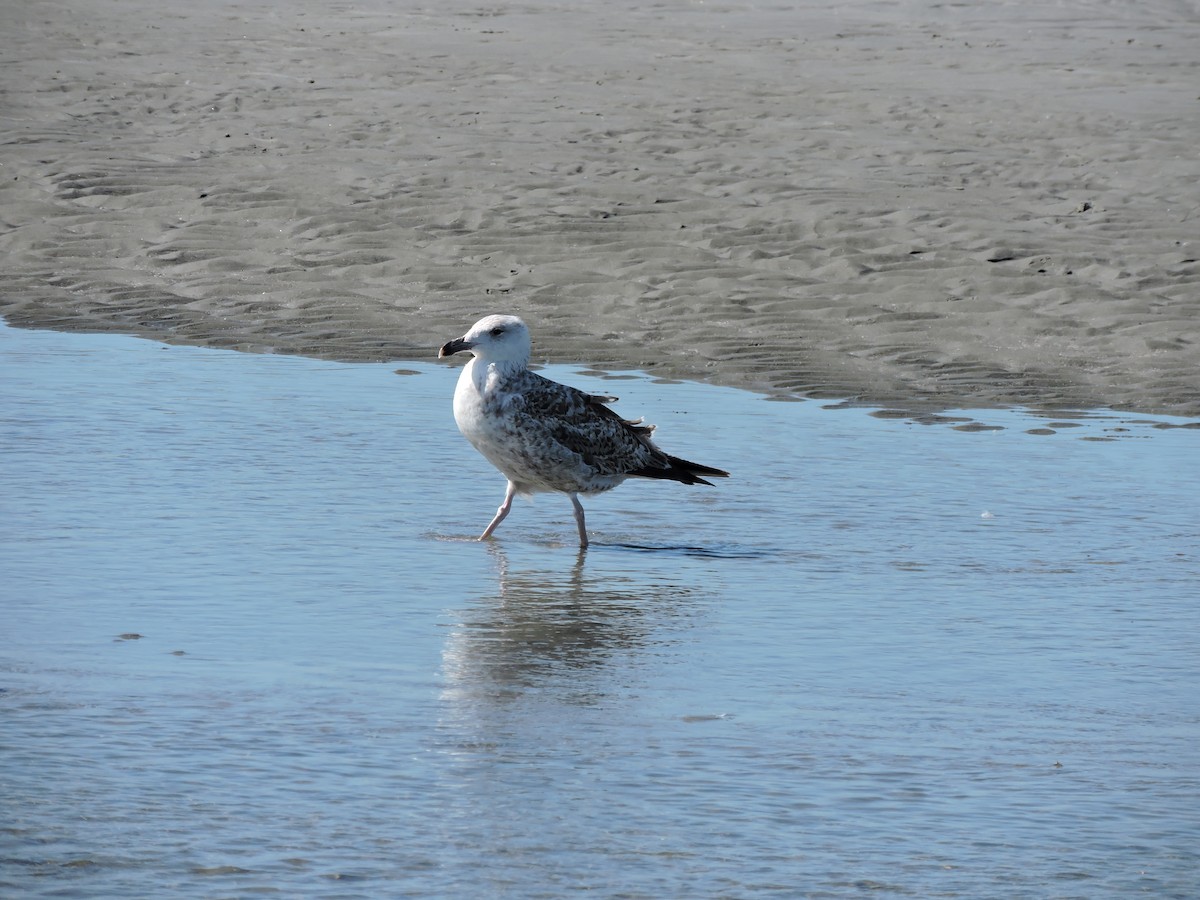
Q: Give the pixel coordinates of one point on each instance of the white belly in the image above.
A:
(513, 444)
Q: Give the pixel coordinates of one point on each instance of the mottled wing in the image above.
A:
(581, 423)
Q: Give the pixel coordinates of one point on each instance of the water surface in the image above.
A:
(250, 646)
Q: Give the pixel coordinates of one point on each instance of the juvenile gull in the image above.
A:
(546, 436)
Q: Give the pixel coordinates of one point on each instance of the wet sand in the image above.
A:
(910, 203)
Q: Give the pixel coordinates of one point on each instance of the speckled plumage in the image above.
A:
(546, 436)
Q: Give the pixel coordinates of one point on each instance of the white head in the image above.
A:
(499, 339)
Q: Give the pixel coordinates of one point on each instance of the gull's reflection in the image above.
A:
(559, 628)
(547, 671)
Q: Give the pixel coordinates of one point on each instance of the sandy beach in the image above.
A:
(901, 202)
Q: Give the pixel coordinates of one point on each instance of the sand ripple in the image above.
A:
(905, 204)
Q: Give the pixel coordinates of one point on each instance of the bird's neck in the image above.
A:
(490, 374)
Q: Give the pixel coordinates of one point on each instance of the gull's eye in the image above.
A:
(497, 331)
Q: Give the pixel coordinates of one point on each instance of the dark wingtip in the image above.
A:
(693, 478)
(683, 471)
(696, 470)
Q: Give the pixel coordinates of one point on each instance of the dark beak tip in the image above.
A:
(451, 347)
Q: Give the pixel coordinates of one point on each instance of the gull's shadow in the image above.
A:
(599, 544)
(722, 551)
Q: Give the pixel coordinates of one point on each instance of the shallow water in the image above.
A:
(250, 647)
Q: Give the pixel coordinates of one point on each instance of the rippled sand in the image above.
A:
(906, 203)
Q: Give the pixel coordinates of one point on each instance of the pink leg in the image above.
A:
(583, 538)
(501, 512)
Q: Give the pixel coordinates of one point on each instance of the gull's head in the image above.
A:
(501, 339)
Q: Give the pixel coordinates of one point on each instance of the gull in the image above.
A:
(546, 436)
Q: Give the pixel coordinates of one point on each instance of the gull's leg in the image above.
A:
(501, 512)
(583, 540)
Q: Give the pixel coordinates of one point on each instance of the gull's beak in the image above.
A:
(454, 346)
